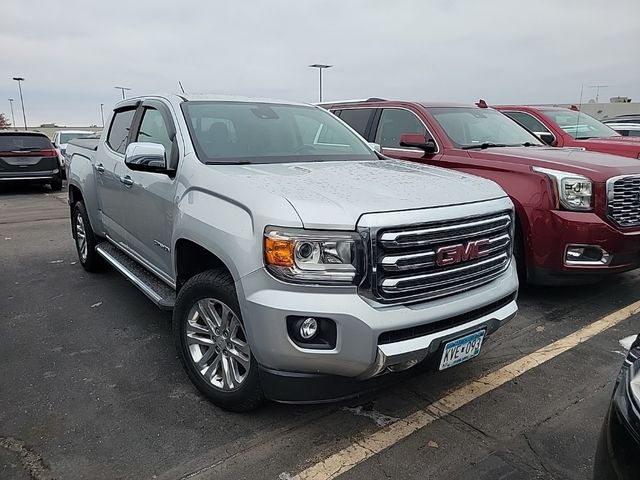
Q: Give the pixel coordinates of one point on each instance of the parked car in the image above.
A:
(29, 157)
(617, 456)
(627, 118)
(626, 129)
(298, 262)
(565, 127)
(60, 140)
(577, 213)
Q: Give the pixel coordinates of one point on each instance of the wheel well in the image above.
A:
(192, 259)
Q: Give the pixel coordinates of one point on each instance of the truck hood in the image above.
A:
(597, 166)
(336, 194)
(627, 146)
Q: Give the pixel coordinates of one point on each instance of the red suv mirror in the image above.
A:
(417, 140)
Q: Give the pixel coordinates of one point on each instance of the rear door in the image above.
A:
(110, 170)
(27, 155)
(149, 195)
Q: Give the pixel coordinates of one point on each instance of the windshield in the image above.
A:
(579, 125)
(66, 137)
(242, 132)
(469, 127)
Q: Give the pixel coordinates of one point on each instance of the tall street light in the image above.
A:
(122, 89)
(13, 118)
(24, 117)
(320, 67)
(102, 113)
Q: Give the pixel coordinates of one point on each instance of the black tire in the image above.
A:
(56, 183)
(217, 285)
(519, 253)
(91, 261)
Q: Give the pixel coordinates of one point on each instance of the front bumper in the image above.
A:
(357, 353)
(552, 231)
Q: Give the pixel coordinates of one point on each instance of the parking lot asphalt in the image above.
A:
(91, 386)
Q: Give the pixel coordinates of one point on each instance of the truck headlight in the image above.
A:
(313, 256)
(574, 192)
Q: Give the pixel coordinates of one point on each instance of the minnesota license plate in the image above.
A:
(461, 349)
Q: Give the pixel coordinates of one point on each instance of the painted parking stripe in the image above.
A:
(367, 447)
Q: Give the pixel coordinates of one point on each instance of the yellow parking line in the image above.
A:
(360, 450)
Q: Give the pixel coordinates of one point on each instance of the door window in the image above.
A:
(393, 123)
(528, 121)
(119, 130)
(357, 118)
(153, 129)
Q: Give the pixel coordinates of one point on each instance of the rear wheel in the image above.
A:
(212, 342)
(85, 239)
(56, 183)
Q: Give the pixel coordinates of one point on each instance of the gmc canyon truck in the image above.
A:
(300, 264)
(577, 212)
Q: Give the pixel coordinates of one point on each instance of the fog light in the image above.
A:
(308, 328)
(586, 255)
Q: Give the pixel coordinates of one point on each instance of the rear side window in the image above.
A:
(119, 130)
(528, 122)
(21, 142)
(357, 118)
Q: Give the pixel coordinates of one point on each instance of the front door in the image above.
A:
(149, 195)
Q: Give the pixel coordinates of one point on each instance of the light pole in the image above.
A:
(13, 118)
(102, 113)
(24, 117)
(320, 67)
(122, 89)
(598, 87)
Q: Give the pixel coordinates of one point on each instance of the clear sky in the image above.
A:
(73, 52)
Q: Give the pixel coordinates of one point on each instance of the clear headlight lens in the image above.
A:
(313, 256)
(574, 192)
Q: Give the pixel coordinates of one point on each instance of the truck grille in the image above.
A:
(438, 259)
(624, 200)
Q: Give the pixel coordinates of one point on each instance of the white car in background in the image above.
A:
(625, 129)
(62, 137)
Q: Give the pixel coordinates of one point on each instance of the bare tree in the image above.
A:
(4, 121)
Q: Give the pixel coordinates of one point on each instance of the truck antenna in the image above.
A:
(579, 109)
(181, 87)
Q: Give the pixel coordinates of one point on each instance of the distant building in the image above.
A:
(602, 111)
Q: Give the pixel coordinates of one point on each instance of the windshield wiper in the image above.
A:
(529, 144)
(484, 145)
(583, 138)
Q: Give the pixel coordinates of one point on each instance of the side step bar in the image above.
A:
(159, 292)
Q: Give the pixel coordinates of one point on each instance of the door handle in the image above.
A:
(127, 180)
(100, 168)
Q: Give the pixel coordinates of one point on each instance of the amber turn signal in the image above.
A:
(279, 252)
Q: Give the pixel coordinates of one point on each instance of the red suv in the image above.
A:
(578, 213)
(568, 127)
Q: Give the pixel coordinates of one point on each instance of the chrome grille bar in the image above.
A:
(415, 262)
(623, 195)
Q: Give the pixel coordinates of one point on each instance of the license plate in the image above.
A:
(461, 349)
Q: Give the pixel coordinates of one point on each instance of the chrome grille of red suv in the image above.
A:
(624, 200)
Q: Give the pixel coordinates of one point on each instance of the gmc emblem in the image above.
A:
(452, 254)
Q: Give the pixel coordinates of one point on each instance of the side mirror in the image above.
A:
(375, 146)
(418, 140)
(146, 157)
(547, 137)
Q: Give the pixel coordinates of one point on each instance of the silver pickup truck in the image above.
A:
(299, 263)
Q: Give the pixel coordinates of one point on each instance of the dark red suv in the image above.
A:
(578, 212)
(566, 127)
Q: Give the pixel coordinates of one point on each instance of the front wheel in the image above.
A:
(212, 343)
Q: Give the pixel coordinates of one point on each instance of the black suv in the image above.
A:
(29, 156)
